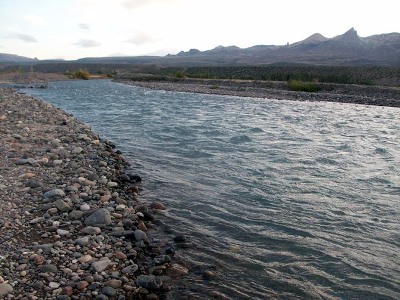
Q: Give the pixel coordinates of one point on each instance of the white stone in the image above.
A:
(85, 207)
(62, 232)
(54, 285)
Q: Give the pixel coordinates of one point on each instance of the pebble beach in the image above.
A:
(340, 93)
(72, 224)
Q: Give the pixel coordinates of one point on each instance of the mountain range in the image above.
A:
(346, 49)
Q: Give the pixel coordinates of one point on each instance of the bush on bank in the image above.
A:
(78, 74)
(301, 86)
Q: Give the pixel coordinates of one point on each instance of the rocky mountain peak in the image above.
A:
(349, 36)
(315, 38)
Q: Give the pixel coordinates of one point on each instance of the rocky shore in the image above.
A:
(342, 93)
(72, 226)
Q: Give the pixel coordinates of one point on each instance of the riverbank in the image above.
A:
(72, 225)
(341, 93)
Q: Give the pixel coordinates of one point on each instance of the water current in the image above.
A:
(281, 199)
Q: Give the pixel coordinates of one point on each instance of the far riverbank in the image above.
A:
(342, 93)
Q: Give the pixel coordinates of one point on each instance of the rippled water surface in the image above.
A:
(285, 200)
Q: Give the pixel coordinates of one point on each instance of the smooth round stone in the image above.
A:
(85, 258)
(27, 175)
(85, 207)
(38, 259)
(114, 283)
(5, 289)
(112, 184)
(120, 255)
(54, 285)
(62, 232)
(83, 241)
(120, 207)
(109, 291)
(140, 235)
(81, 285)
(76, 150)
(91, 230)
(54, 193)
(105, 198)
(53, 210)
(75, 214)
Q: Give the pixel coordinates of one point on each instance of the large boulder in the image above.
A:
(100, 216)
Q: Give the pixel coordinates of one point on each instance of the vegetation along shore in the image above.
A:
(72, 226)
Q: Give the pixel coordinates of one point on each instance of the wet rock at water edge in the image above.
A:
(149, 282)
(157, 205)
(128, 234)
(140, 235)
(176, 270)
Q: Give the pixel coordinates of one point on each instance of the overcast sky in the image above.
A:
(71, 29)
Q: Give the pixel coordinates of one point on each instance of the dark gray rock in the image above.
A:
(149, 282)
(162, 259)
(82, 241)
(109, 291)
(76, 214)
(129, 234)
(130, 269)
(62, 205)
(140, 235)
(48, 269)
(99, 217)
(54, 194)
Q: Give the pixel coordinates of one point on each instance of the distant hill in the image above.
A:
(348, 49)
(345, 49)
(12, 58)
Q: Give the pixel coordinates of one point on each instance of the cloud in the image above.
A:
(34, 20)
(142, 38)
(132, 4)
(84, 26)
(87, 43)
(22, 36)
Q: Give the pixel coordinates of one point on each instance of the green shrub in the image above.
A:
(79, 74)
(301, 86)
(180, 74)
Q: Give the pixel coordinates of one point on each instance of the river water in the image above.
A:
(281, 199)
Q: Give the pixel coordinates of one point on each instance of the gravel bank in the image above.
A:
(71, 223)
(343, 93)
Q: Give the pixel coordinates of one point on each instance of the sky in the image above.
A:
(72, 29)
